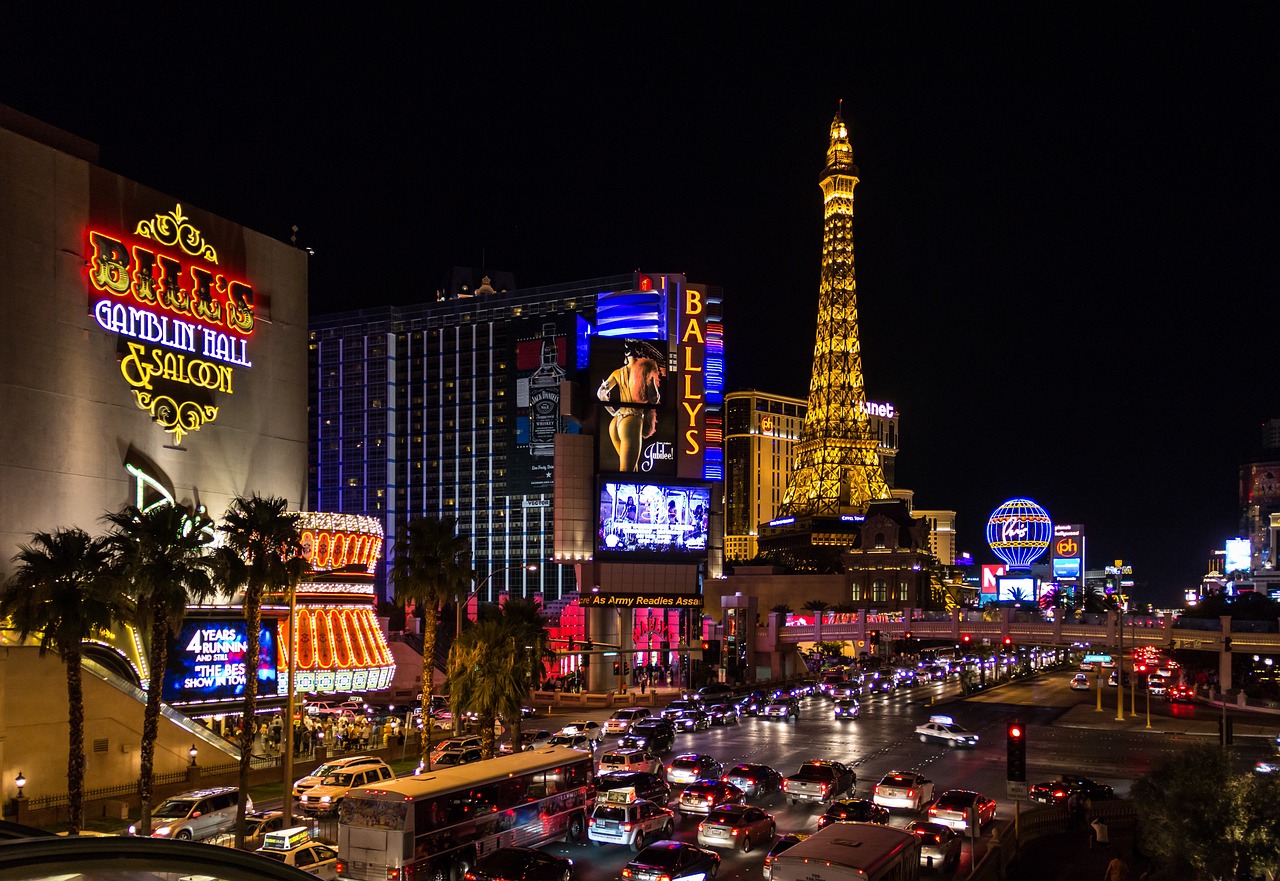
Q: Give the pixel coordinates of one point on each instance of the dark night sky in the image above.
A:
(1066, 221)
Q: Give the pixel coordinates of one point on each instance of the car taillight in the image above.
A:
(670, 768)
(626, 827)
(1058, 793)
(824, 788)
(877, 789)
(735, 832)
(724, 779)
(785, 785)
(340, 867)
(702, 826)
(591, 821)
(933, 812)
(911, 793)
(626, 873)
(393, 875)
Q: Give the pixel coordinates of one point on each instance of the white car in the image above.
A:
(780, 710)
(903, 789)
(621, 720)
(591, 729)
(944, 730)
(1080, 682)
(629, 760)
(621, 818)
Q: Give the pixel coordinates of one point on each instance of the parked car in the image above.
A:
(903, 789)
(700, 796)
(738, 826)
(521, 864)
(629, 760)
(689, 767)
(854, 810)
(466, 741)
(944, 730)
(672, 859)
(655, 735)
(953, 808)
(783, 844)
(328, 796)
(621, 720)
(756, 781)
(197, 815)
(620, 818)
(647, 786)
(939, 846)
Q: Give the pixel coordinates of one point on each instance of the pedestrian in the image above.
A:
(1075, 812)
(1101, 837)
(1117, 870)
(644, 683)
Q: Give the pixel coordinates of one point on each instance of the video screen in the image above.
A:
(207, 661)
(1066, 567)
(653, 520)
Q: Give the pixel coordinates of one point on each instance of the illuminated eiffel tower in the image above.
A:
(837, 470)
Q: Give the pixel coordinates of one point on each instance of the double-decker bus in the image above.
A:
(435, 825)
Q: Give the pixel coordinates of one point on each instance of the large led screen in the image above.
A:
(207, 661)
(1066, 567)
(635, 406)
(651, 520)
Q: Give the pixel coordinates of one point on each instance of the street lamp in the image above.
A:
(528, 567)
(21, 781)
(192, 752)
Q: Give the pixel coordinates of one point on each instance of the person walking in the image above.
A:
(1101, 836)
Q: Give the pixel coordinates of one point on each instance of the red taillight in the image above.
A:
(877, 789)
(626, 827)
(933, 812)
(340, 867)
(393, 875)
(724, 779)
(824, 788)
(1059, 794)
(785, 785)
(735, 832)
(702, 826)
(626, 873)
(591, 821)
(911, 793)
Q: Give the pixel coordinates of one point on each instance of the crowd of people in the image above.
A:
(336, 733)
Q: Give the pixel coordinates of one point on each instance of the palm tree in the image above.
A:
(161, 558)
(781, 609)
(431, 566)
(817, 607)
(262, 552)
(63, 590)
(486, 676)
(532, 643)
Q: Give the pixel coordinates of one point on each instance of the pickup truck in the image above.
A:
(819, 781)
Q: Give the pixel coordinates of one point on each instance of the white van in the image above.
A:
(851, 852)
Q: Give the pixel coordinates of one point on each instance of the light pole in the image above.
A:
(288, 715)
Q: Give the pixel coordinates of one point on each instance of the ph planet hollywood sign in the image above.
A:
(183, 323)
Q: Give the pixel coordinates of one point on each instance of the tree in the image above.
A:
(161, 558)
(432, 564)
(262, 553)
(523, 617)
(1199, 818)
(486, 676)
(63, 590)
(817, 607)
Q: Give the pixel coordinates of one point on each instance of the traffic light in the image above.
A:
(711, 651)
(571, 643)
(1016, 743)
(965, 638)
(873, 637)
(906, 635)
(626, 668)
(1008, 642)
(617, 668)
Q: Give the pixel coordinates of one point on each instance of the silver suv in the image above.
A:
(326, 797)
(195, 816)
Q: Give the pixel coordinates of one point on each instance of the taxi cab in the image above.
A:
(619, 817)
(295, 847)
(944, 730)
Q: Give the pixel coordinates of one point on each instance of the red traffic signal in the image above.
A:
(706, 644)
(1008, 640)
(1015, 731)
(965, 638)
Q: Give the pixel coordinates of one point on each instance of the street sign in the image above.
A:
(1096, 659)
(1016, 790)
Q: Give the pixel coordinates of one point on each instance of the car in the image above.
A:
(302, 784)
(620, 818)
(295, 847)
(327, 797)
(621, 720)
(1055, 792)
(783, 844)
(521, 864)
(528, 740)
(854, 810)
(197, 815)
(591, 729)
(572, 739)
(1157, 685)
(700, 796)
(955, 806)
(451, 758)
(1080, 682)
(1108, 663)
(846, 708)
(715, 692)
(755, 780)
(466, 741)
(1092, 788)
(647, 786)
(939, 846)
(1114, 679)
(781, 710)
(903, 789)
(1086, 666)
(845, 691)
(740, 827)
(629, 760)
(751, 704)
(688, 767)
(258, 824)
(878, 683)
(672, 860)
(1180, 694)
(655, 735)
(819, 780)
(675, 708)
(943, 729)
(722, 714)
(691, 720)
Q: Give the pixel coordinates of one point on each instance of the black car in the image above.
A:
(751, 704)
(854, 810)
(1090, 787)
(655, 735)
(521, 864)
(757, 781)
(672, 859)
(648, 786)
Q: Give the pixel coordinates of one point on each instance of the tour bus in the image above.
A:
(437, 824)
(851, 852)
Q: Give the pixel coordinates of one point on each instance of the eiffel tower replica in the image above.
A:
(837, 473)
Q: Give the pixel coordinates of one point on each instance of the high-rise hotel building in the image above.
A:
(452, 408)
(760, 435)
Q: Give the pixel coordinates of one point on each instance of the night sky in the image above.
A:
(1066, 221)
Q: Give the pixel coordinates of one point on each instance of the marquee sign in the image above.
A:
(692, 394)
(182, 320)
(641, 601)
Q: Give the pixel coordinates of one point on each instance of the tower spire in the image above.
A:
(837, 468)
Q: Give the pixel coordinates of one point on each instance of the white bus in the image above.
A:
(851, 852)
(434, 826)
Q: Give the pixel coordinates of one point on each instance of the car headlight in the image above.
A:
(163, 831)
(325, 799)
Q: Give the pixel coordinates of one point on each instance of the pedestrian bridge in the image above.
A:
(1212, 635)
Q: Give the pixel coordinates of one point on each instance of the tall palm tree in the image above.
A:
(432, 564)
(533, 646)
(486, 676)
(162, 560)
(63, 590)
(262, 553)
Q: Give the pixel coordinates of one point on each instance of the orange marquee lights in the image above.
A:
(333, 549)
(333, 638)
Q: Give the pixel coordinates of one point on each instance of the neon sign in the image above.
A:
(1019, 531)
(183, 326)
(692, 397)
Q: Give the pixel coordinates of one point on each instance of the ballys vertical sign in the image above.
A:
(182, 323)
(692, 402)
